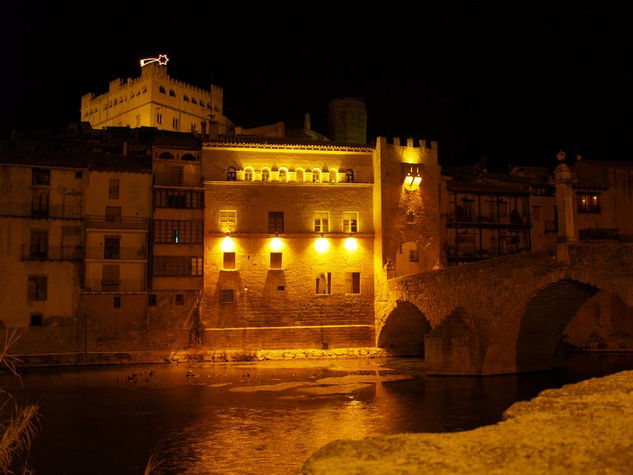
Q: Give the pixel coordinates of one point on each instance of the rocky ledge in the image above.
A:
(585, 427)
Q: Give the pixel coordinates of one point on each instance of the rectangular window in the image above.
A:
(151, 301)
(350, 222)
(413, 255)
(588, 202)
(322, 222)
(227, 296)
(177, 266)
(275, 222)
(228, 260)
(228, 221)
(39, 244)
(180, 299)
(39, 205)
(178, 232)
(352, 282)
(178, 199)
(138, 120)
(113, 214)
(275, 260)
(41, 176)
(175, 176)
(159, 118)
(37, 288)
(112, 248)
(110, 277)
(113, 189)
(174, 123)
(36, 320)
(324, 283)
(116, 301)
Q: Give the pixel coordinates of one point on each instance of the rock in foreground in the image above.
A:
(584, 427)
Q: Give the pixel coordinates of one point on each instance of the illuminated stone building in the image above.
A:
(157, 100)
(299, 236)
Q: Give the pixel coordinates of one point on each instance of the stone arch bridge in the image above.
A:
(501, 315)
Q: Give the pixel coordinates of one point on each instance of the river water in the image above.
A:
(265, 417)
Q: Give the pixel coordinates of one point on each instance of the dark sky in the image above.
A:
(514, 85)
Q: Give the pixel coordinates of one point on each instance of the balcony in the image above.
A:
(114, 285)
(116, 222)
(53, 253)
(116, 253)
(26, 210)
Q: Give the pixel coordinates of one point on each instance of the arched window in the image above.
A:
(349, 176)
(161, 89)
(299, 175)
(172, 93)
(265, 174)
(115, 101)
(230, 174)
(248, 174)
(166, 155)
(283, 175)
(316, 176)
(193, 100)
(186, 97)
(333, 176)
(189, 157)
(144, 89)
(201, 104)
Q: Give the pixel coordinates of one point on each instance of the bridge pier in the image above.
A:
(452, 355)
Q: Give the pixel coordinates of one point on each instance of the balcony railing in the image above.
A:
(119, 253)
(109, 222)
(53, 253)
(491, 221)
(165, 179)
(114, 285)
(26, 210)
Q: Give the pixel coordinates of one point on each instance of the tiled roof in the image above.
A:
(284, 143)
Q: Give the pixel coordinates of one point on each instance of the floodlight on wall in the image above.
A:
(350, 244)
(412, 175)
(227, 245)
(322, 245)
(276, 245)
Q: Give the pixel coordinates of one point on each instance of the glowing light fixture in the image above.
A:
(227, 245)
(276, 245)
(350, 244)
(162, 60)
(413, 176)
(322, 245)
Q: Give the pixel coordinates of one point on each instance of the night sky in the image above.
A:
(509, 84)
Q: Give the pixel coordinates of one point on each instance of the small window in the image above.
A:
(201, 103)
(248, 174)
(283, 175)
(37, 287)
(174, 124)
(138, 120)
(116, 301)
(194, 101)
(172, 93)
(266, 174)
(179, 299)
(316, 176)
(350, 222)
(231, 174)
(227, 296)
(166, 156)
(324, 283)
(228, 221)
(144, 89)
(410, 217)
(349, 176)
(228, 261)
(196, 266)
(322, 222)
(175, 236)
(161, 89)
(36, 320)
(188, 157)
(413, 255)
(588, 202)
(352, 282)
(185, 98)
(113, 214)
(112, 248)
(151, 300)
(41, 176)
(275, 260)
(113, 189)
(159, 118)
(39, 244)
(275, 222)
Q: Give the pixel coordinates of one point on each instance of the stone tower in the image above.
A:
(348, 120)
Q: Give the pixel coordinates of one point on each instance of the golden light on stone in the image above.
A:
(276, 245)
(350, 244)
(227, 245)
(322, 245)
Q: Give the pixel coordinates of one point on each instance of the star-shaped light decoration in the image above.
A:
(162, 60)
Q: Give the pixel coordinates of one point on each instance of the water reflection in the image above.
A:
(258, 418)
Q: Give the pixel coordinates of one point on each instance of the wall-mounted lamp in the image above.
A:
(276, 245)
(412, 175)
(350, 244)
(227, 245)
(322, 245)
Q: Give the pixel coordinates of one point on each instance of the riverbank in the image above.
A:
(192, 356)
(579, 428)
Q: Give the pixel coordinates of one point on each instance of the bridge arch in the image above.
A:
(404, 330)
(543, 321)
